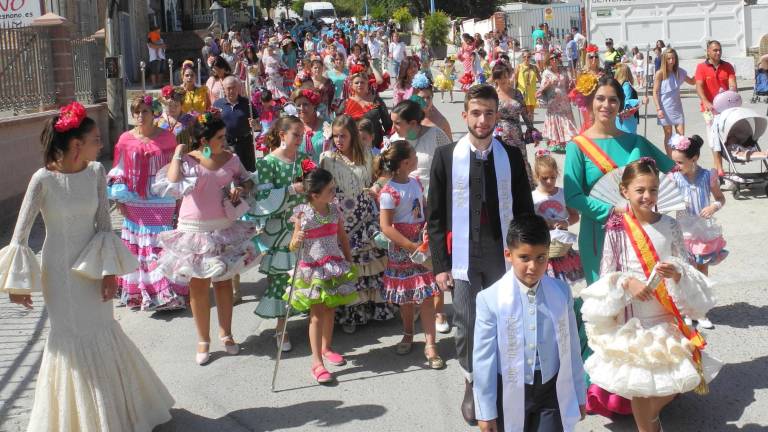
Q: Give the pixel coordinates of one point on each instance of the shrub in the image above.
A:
(436, 28)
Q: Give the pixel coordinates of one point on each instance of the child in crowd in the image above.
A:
(407, 283)
(209, 244)
(703, 238)
(549, 203)
(528, 373)
(636, 306)
(445, 80)
(324, 278)
(365, 131)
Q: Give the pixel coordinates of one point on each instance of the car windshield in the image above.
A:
(322, 13)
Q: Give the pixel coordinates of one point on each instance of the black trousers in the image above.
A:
(542, 411)
(244, 150)
(486, 266)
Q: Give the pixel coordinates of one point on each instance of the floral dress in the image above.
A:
(180, 127)
(558, 121)
(323, 276)
(509, 128)
(361, 222)
(272, 209)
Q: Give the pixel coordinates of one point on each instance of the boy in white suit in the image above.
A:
(528, 373)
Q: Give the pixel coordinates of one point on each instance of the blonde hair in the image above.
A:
(623, 74)
(664, 68)
(543, 162)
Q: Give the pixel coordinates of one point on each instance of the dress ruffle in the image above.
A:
(166, 188)
(332, 292)
(218, 255)
(19, 270)
(98, 382)
(330, 269)
(105, 255)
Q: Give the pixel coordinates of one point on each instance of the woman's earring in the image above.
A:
(283, 145)
(207, 151)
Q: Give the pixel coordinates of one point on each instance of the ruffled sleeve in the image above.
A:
(269, 198)
(168, 189)
(604, 299)
(105, 255)
(19, 268)
(117, 187)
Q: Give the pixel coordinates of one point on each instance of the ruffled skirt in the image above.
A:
(99, 382)
(216, 250)
(331, 283)
(406, 282)
(643, 362)
(566, 268)
(443, 83)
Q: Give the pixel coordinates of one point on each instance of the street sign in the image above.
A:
(549, 14)
(603, 12)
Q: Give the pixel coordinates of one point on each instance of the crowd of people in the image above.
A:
(289, 159)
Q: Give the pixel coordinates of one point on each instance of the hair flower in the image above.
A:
(679, 142)
(542, 152)
(148, 100)
(648, 160)
(312, 96)
(167, 91)
(420, 81)
(419, 100)
(356, 69)
(70, 117)
(307, 165)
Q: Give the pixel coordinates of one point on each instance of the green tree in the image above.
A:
(298, 7)
(436, 28)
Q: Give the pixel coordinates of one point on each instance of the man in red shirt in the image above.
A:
(713, 76)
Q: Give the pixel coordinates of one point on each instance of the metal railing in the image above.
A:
(88, 62)
(26, 83)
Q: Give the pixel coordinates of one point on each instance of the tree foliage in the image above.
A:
(436, 28)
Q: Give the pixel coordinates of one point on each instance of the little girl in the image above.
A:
(538, 54)
(635, 307)
(445, 80)
(703, 238)
(209, 244)
(273, 68)
(324, 278)
(402, 220)
(549, 203)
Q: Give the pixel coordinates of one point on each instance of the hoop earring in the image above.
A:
(207, 151)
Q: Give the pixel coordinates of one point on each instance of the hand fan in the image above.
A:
(607, 189)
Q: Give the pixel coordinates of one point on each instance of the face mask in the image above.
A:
(412, 135)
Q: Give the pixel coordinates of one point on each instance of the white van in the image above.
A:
(323, 11)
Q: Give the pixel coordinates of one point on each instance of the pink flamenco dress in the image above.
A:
(209, 242)
(322, 276)
(146, 216)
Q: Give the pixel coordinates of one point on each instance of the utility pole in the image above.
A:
(115, 84)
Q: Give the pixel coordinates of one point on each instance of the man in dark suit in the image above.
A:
(486, 183)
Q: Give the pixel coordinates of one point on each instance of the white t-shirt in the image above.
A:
(156, 53)
(397, 51)
(407, 200)
(581, 41)
(425, 147)
(374, 47)
(550, 207)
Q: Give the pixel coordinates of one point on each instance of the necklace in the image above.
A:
(323, 220)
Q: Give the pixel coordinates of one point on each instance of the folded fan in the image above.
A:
(608, 190)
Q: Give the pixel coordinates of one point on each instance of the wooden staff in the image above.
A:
(647, 81)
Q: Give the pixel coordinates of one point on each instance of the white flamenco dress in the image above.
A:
(638, 349)
(92, 377)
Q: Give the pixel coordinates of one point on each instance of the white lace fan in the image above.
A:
(607, 189)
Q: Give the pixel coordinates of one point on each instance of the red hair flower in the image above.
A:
(312, 96)
(307, 165)
(356, 69)
(592, 48)
(70, 117)
(167, 91)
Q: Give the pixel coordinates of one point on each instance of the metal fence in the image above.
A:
(88, 62)
(26, 83)
(520, 24)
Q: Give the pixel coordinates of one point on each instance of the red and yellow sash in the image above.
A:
(648, 257)
(595, 154)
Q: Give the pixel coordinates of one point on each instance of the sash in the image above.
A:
(595, 154)
(459, 244)
(511, 357)
(648, 257)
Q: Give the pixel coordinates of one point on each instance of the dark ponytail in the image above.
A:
(55, 144)
(205, 130)
(316, 180)
(694, 150)
(390, 159)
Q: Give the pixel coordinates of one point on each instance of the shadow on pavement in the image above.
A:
(322, 413)
(740, 315)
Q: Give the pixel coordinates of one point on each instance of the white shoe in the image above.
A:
(202, 358)
(442, 327)
(233, 349)
(688, 321)
(705, 323)
(286, 346)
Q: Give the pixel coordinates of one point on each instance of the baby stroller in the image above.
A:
(760, 93)
(735, 133)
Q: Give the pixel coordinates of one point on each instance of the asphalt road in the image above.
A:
(380, 391)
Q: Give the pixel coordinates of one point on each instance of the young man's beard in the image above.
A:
(474, 134)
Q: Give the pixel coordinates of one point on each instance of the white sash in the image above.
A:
(460, 201)
(511, 356)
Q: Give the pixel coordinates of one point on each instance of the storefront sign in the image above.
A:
(18, 13)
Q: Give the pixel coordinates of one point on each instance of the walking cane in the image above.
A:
(170, 71)
(199, 72)
(287, 306)
(645, 110)
(250, 104)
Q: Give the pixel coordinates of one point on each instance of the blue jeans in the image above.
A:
(395, 68)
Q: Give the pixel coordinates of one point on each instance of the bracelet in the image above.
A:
(178, 157)
(718, 205)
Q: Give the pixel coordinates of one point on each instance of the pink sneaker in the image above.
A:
(334, 358)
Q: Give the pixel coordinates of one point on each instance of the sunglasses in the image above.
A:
(592, 56)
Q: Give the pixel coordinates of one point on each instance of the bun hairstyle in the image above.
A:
(409, 110)
(642, 166)
(282, 124)
(613, 83)
(690, 147)
(206, 126)
(55, 143)
(391, 157)
(544, 161)
(315, 181)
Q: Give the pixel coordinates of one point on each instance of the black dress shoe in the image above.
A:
(468, 404)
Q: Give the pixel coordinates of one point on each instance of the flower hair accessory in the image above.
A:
(542, 152)
(679, 142)
(312, 96)
(70, 117)
(648, 160)
(167, 91)
(420, 81)
(307, 165)
(592, 48)
(356, 69)
(208, 116)
(148, 100)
